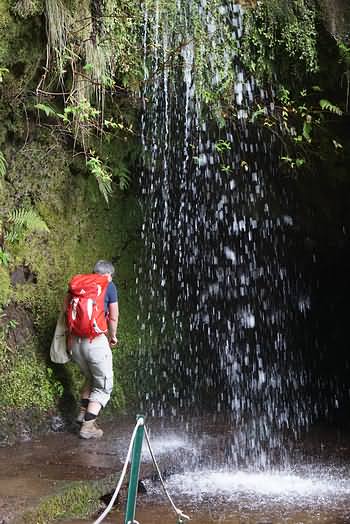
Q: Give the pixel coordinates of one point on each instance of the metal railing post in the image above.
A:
(134, 473)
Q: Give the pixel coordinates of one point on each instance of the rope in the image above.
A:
(122, 476)
(178, 511)
(181, 516)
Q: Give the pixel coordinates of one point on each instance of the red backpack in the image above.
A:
(85, 312)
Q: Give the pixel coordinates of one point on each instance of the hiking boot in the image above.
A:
(89, 429)
(81, 415)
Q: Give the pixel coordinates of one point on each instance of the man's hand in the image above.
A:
(113, 341)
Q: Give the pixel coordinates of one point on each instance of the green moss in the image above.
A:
(26, 382)
(76, 500)
(82, 229)
(27, 8)
(21, 49)
(280, 38)
(6, 30)
(5, 286)
(45, 175)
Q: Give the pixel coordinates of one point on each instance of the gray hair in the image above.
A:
(103, 266)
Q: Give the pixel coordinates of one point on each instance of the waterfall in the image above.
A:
(221, 296)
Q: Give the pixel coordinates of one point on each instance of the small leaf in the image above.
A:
(244, 165)
(337, 145)
(48, 110)
(259, 112)
(307, 128)
(3, 164)
(326, 105)
(3, 71)
(88, 68)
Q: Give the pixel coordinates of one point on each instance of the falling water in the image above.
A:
(221, 296)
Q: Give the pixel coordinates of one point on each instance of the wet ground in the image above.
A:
(313, 488)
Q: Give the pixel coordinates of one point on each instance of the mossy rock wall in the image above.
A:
(82, 228)
(46, 173)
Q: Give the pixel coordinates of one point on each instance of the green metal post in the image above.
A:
(134, 473)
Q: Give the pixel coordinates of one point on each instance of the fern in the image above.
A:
(261, 111)
(344, 52)
(103, 177)
(4, 258)
(326, 105)
(124, 178)
(23, 221)
(48, 110)
(13, 235)
(29, 219)
(3, 72)
(3, 165)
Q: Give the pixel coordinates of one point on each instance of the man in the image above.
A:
(94, 357)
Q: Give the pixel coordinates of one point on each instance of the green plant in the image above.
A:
(259, 112)
(3, 72)
(26, 382)
(3, 164)
(57, 387)
(89, 44)
(102, 175)
(81, 111)
(7, 326)
(5, 286)
(122, 174)
(27, 8)
(226, 169)
(20, 222)
(11, 324)
(326, 105)
(4, 257)
(48, 110)
(222, 145)
(293, 162)
(280, 39)
(77, 500)
(301, 124)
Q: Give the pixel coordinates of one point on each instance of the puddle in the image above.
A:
(315, 488)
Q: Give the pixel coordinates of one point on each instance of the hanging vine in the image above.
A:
(280, 38)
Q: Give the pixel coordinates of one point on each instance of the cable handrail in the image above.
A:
(181, 516)
(178, 511)
(139, 423)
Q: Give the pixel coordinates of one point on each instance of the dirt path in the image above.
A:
(31, 471)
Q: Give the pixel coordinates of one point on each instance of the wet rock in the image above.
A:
(4, 441)
(18, 324)
(108, 497)
(25, 434)
(22, 425)
(57, 424)
(22, 275)
(141, 490)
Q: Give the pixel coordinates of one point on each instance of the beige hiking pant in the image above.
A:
(95, 361)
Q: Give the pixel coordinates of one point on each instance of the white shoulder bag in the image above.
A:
(58, 349)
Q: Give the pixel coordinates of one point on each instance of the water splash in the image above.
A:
(221, 298)
(286, 486)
